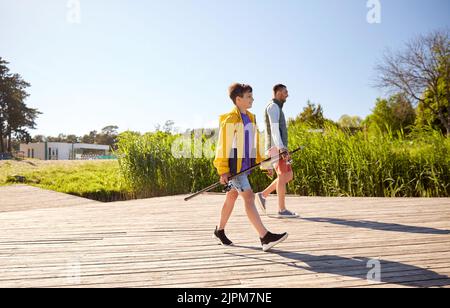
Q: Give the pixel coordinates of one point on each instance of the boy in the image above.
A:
(237, 150)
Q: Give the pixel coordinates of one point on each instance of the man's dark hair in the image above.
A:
(238, 89)
(278, 87)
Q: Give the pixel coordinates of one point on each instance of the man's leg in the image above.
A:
(273, 186)
(227, 208)
(283, 179)
(279, 184)
(270, 189)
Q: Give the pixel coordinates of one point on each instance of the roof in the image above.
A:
(75, 145)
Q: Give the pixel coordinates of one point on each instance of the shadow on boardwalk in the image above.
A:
(380, 226)
(357, 267)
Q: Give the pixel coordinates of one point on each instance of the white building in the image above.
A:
(63, 151)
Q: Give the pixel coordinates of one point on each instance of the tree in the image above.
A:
(91, 138)
(72, 139)
(4, 89)
(311, 115)
(108, 136)
(352, 122)
(19, 116)
(167, 128)
(110, 130)
(60, 138)
(15, 116)
(422, 73)
(426, 109)
(38, 139)
(394, 114)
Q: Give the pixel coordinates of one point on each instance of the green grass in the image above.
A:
(98, 180)
(335, 163)
(149, 169)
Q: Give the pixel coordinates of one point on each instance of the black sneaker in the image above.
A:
(271, 240)
(220, 236)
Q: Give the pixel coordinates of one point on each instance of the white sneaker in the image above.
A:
(287, 214)
(271, 240)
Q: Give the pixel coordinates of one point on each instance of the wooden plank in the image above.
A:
(167, 242)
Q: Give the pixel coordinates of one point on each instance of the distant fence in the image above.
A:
(94, 157)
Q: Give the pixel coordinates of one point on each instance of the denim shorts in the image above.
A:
(241, 183)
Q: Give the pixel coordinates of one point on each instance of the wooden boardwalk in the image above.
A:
(49, 239)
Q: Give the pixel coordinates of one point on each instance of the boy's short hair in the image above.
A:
(278, 87)
(238, 89)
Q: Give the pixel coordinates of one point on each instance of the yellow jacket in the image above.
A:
(230, 146)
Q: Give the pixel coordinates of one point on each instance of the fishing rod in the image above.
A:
(270, 159)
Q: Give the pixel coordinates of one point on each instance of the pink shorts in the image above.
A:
(281, 166)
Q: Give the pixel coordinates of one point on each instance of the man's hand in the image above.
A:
(224, 178)
(286, 155)
(269, 172)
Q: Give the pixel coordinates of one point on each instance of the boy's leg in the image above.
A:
(252, 213)
(227, 208)
(268, 239)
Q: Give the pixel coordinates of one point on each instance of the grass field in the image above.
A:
(99, 180)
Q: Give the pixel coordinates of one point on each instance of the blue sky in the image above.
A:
(136, 64)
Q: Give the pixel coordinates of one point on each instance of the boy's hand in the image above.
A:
(269, 172)
(224, 178)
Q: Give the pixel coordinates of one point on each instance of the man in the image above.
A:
(238, 149)
(277, 142)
